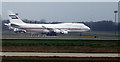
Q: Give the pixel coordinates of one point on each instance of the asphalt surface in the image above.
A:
(59, 54)
(57, 37)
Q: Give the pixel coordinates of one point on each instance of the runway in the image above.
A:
(59, 54)
(58, 37)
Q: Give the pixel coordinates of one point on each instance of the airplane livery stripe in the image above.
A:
(57, 28)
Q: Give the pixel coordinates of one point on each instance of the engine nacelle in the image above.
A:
(64, 32)
(57, 31)
(16, 30)
(46, 31)
(61, 31)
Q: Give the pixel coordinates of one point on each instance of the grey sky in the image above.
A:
(61, 11)
(60, 0)
(0, 7)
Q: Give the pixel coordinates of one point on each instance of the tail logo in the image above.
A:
(13, 16)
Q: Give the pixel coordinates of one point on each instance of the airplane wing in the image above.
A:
(52, 29)
(48, 28)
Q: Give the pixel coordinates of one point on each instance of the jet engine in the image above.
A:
(46, 31)
(16, 30)
(64, 32)
(57, 31)
(61, 31)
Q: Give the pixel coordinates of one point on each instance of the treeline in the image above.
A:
(104, 25)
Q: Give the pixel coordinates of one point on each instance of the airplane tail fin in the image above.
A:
(13, 18)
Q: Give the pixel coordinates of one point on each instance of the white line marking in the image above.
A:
(59, 54)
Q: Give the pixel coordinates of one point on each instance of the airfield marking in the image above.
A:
(59, 54)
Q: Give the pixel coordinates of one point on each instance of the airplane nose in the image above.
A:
(88, 28)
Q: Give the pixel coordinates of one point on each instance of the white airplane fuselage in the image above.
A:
(70, 27)
(18, 25)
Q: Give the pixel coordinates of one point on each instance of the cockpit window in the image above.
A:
(13, 16)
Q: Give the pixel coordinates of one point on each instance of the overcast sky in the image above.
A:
(62, 11)
(60, 0)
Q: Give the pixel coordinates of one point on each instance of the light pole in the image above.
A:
(115, 22)
(115, 15)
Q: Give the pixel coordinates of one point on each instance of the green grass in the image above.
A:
(59, 61)
(59, 45)
(56, 59)
(60, 42)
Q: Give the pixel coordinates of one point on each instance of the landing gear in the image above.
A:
(51, 34)
(80, 34)
(20, 32)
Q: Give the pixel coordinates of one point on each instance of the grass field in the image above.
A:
(58, 59)
(60, 45)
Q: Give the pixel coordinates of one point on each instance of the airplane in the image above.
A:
(18, 26)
